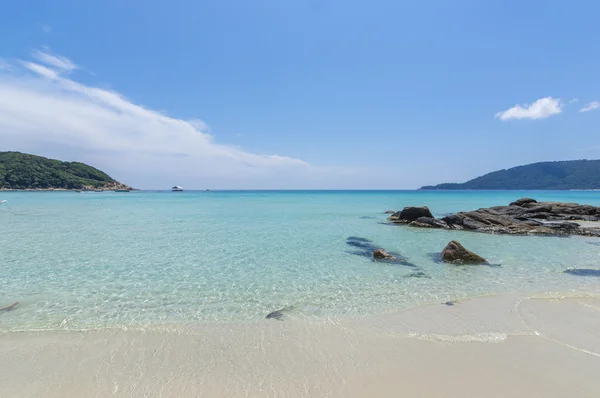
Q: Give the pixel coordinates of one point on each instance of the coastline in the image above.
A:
(470, 348)
(67, 190)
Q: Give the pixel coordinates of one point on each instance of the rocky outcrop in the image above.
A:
(380, 254)
(455, 253)
(409, 214)
(427, 222)
(109, 186)
(389, 212)
(525, 216)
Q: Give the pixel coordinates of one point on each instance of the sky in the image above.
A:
(300, 94)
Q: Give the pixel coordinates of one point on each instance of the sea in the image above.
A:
(93, 260)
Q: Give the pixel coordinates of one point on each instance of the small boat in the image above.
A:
(177, 188)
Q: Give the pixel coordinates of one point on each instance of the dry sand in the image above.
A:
(502, 346)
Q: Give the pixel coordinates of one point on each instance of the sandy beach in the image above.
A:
(490, 346)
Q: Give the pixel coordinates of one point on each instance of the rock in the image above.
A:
(279, 314)
(9, 307)
(389, 212)
(409, 214)
(523, 201)
(380, 254)
(456, 253)
(525, 216)
(427, 222)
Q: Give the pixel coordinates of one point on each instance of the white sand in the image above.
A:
(503, 346)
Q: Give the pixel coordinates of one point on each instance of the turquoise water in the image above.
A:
(90, 260)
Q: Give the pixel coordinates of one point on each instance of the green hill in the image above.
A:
(571, 174)
(23, 171)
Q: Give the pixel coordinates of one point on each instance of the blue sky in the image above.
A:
(300, 93)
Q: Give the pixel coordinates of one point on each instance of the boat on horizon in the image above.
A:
(177, 188)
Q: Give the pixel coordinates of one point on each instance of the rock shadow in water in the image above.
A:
(367, 247)
(593, 243)
(366, 217)
(583, 272)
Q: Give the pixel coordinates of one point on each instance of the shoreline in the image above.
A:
(468, 349)
(293, 315)
(68, 190)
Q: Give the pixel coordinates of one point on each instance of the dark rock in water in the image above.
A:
(367, 249)
(456, 253)
(523, 201)
(366, 218)
(389, 212)
(410, 213)
(449, 303)
(279, 314)
(583, 272)
(380, 254)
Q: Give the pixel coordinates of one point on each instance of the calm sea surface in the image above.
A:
(92, 260)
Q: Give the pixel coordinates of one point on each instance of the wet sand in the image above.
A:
(483, 347)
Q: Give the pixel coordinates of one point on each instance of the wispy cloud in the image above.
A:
(540, 109)
(590, 107)
(55, 61)
(573, 100)
(46, 28)
(43, 111)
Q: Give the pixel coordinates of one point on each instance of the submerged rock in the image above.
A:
(583, 272)
(417, 274)
(380, 254)
(9, 307)
(456, 253)
(389, 212)
(279, 314)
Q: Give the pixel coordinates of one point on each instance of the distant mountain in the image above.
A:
(571, 174)
(23, 171)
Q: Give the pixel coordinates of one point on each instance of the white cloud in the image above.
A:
(56, 61)
(590, 107)
(573, 101)
(540, 109)
(46, 28)
(43, 112)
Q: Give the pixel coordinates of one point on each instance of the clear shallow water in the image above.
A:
(89, 260)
